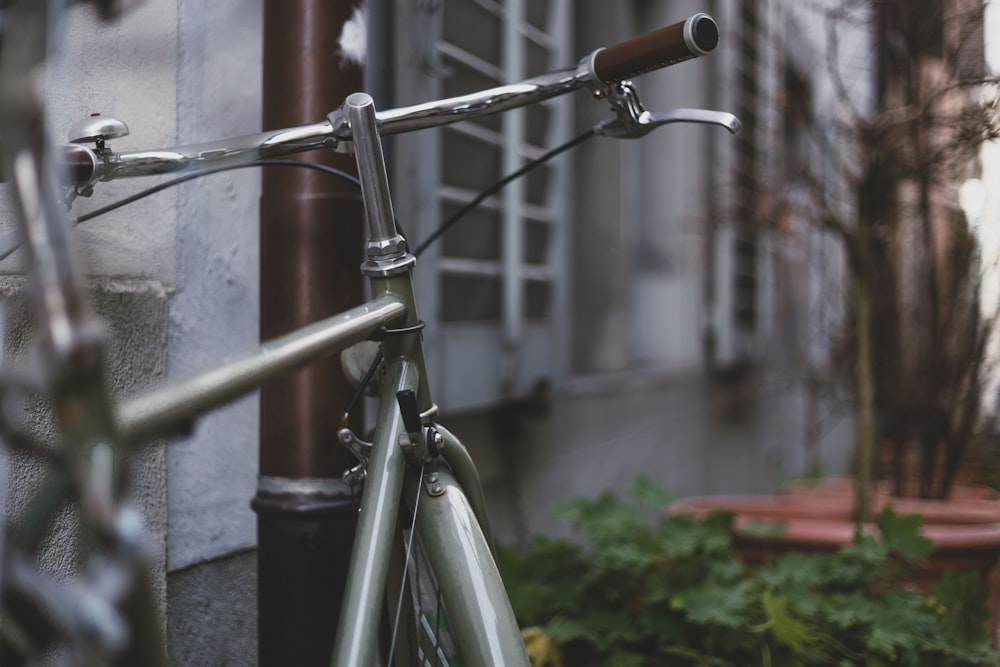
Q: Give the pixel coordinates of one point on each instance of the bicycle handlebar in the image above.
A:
(694, 37)
(684, 40)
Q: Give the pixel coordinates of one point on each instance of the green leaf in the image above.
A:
(567, 629)
(647, 589)
(604, 627)
(899, 625)
(649, 493)
(716, 605)
(625, 658)
(604, 519)
(887, 641)
(851, 610)
(788, 630)
(962, 604)
(901, 533)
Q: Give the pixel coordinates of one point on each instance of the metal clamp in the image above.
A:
(361, 449)
(383, 332)
(424, 445)
(96, 129)
(419, 442)
(632, 121)
(625, 102)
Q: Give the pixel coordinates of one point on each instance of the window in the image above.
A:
(490, 288)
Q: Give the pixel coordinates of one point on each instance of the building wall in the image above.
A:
(130, 73)
(212, 475)
(176, 285)
(214, 312)
(690, 434)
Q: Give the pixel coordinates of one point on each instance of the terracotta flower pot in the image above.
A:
(844, 485)
(965, 531)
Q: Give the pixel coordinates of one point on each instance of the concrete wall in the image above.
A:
(129, 73)
(213, 316)
(214, 312)
(136, 323)
(176, 284)
(683, 430)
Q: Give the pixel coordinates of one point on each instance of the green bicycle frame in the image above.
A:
(444, 519)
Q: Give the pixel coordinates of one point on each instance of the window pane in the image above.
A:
(467, 298)
(472, 28)
(538, 125)
(538, 59)
(537, 296)
(476, 235)
(536, 242)
(537, 13)
(536, 188)
(469, 163)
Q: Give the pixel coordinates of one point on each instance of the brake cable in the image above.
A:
(11, 243)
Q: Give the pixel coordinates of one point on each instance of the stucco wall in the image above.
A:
(129, 73)
(214, 313)
(176, 280)
(214, 316)
(136, 325)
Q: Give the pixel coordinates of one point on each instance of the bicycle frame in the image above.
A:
(469, 573)
(447, 500)
(441, 517)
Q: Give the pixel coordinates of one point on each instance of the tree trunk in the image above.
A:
(864, 377)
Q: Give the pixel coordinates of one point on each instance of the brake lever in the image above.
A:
(646, 122)
(632, 120)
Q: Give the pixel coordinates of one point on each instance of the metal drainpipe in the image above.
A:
(311, 237)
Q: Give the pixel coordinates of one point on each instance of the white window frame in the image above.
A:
(476, 364)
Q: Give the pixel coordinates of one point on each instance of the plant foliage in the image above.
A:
(669, 591)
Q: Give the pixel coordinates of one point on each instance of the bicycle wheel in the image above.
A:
(446, 602)
(418, 625)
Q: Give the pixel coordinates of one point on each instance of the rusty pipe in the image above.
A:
(311, 236)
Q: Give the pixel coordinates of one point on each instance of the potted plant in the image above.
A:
(635, 591)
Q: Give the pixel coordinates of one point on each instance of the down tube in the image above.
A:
(359, 618)
(467, 575)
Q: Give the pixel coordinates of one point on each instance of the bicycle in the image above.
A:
(421, 500)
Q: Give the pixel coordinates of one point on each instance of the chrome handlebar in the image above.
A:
(631, 120)
(335, 131)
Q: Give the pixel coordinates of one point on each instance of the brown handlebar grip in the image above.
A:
(694, 37)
